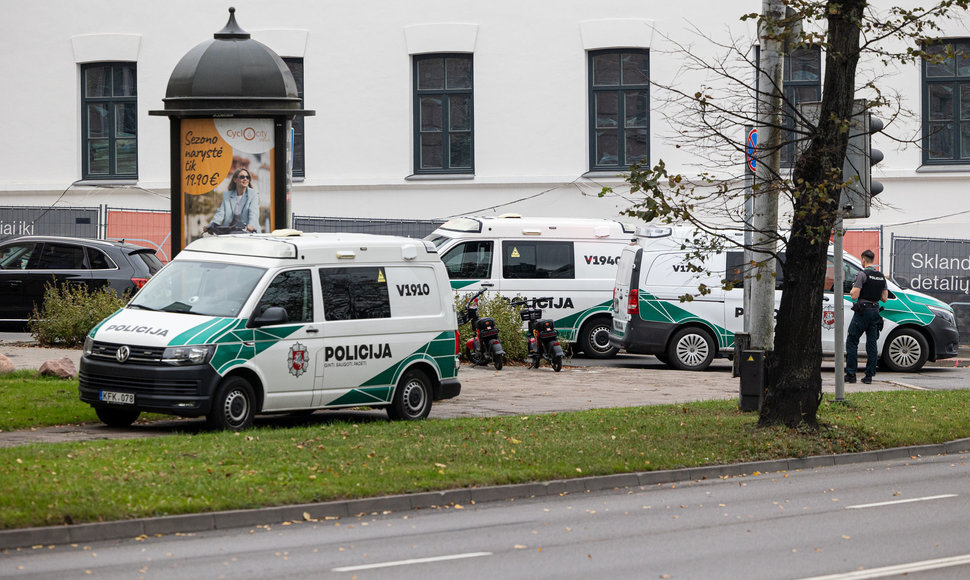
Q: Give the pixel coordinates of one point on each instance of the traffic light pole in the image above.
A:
(838, 298)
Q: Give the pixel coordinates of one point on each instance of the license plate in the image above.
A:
(118, 398)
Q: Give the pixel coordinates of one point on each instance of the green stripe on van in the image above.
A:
(655, 310)
(459, 284)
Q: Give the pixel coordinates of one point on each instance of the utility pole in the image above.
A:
(764, 218)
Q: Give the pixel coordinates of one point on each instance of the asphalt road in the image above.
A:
(910, 514)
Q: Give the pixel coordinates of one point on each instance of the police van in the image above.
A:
(287, 322)
(650, 318)
(568, 265)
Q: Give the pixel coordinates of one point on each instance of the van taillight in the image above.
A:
(633, 302)
(139, 282)
(457, 343)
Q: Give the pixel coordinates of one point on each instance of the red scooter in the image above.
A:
(484, 346)
(543, 338)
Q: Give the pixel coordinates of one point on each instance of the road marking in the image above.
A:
(897, 569)
(894, 502)
(409, 562)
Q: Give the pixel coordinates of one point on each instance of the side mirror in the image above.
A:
(846, 286)
(270, 316)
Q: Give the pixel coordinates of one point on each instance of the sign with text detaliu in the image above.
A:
(938, 267)
(212, 152)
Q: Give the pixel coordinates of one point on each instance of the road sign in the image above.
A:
(750, 149)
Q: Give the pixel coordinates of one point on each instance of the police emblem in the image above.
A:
(828, 316)
(298, 360)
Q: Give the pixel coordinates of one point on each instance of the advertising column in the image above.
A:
(213, 152)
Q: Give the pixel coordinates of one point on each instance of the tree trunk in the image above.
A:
(793, 387)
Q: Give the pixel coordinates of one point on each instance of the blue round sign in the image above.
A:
(750, 148)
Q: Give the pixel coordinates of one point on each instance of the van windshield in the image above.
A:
(204, 288)
(438, 241)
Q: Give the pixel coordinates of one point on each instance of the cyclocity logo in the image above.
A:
(247, 133)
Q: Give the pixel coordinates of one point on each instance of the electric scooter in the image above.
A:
(484, 346)
(543, 338)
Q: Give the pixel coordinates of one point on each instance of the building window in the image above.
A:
(109, 121)
(946, 103)
(619, 108)
(443, 114)
(803, 84)
(299, 164)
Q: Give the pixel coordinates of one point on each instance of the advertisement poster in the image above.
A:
(938, 267)
(213, 151)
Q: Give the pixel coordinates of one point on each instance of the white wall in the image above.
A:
(530, 101)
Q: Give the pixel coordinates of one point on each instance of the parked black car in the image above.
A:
(29, 263)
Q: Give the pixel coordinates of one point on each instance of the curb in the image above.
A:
(188, 523)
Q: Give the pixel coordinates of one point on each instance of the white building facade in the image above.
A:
(433, 109)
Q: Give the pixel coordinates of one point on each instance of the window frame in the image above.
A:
(955, 82)
(537, 249)
(446, 131)
(620, 89)
(110, 102)
(299, 121)
(791, 102)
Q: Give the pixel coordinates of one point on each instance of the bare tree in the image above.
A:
(844, 30)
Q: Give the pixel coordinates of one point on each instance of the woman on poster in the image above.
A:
(239, 210)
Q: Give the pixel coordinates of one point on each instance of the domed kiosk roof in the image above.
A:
(231, 74)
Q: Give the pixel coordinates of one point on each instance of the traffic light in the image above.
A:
(859, 159)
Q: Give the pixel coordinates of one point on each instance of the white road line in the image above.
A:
(897, 569)
(409, 562)
(894, 502)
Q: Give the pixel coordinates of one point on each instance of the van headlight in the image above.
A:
(188, 355)
(88, 345)
(946, 315)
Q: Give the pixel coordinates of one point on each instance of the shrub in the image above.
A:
(510, 328)
(70, 312)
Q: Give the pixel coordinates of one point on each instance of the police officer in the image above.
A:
(868, 290)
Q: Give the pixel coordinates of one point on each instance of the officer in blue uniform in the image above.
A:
(868, 290)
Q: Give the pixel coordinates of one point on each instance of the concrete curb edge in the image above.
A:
(188, 523)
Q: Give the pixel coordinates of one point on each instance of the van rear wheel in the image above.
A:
(690, 349)
(594, 339)
(412, 398)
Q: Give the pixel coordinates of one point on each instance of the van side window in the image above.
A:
(355, 293)
(471, 260)
(293, 291)
(849, 272)
(533, 259)
(737, 272)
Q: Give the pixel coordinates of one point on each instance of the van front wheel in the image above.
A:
(690, 349)
(234, 407)
(412, 398)
(594, 339)
(905, 351)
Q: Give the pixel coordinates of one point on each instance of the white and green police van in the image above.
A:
(650, 318)
(287, 322)
(567, 264)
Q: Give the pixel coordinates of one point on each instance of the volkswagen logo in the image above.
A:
(123, 353)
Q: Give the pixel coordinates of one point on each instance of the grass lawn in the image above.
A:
(49, 484)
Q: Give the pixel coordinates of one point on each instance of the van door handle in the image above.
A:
(487, 284)
(313, 329)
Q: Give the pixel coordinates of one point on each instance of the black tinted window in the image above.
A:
(61, 257)
(528, 259)
(150, 260)
(736, 271)
(469, 260)
(99, 261)
(354, 293)
(293, 291)
(16, 256)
